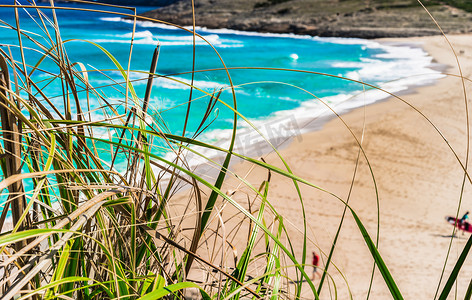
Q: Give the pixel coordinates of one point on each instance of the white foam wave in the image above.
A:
(145, 41)
(251, 33)
(348, 41)
(172, 83)
(151, 41)
(137, 34)
(180, 83)
(111, 19)
(405, 52)
(394, 63)
(189, 38)
(147, 24)
(147, 37)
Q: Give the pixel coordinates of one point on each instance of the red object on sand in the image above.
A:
(465, 226)
(316, 258)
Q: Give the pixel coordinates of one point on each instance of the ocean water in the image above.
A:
(281, 103)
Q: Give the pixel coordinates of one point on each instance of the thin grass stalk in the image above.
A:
(12, 145)
(143, 114)
(20, 42)
(193, 69)
(455, 271)
(468, 294)
(152, 71)
(242, 266)
(328, 261)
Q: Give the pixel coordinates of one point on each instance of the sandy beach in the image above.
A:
(417, 178)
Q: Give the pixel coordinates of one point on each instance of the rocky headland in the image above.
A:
(335, 18)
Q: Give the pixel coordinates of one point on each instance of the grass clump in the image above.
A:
(87, 228)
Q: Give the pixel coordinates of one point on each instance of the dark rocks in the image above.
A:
(346, 18)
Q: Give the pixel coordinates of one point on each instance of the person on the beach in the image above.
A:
(463, 220)
(465, 217)
(315, 262)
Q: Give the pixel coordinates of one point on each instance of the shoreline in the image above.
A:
(417, 179)
(306, 125)
(261, 148)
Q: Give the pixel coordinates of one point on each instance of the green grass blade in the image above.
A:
(392, 286)
(275, 262)
(455, 271)
(27, 234)
(157, 294)
(60, 268)
(150, 278)
(54, 284)
(242, 266)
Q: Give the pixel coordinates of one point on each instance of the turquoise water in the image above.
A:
(281, 103)
(357, 59)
